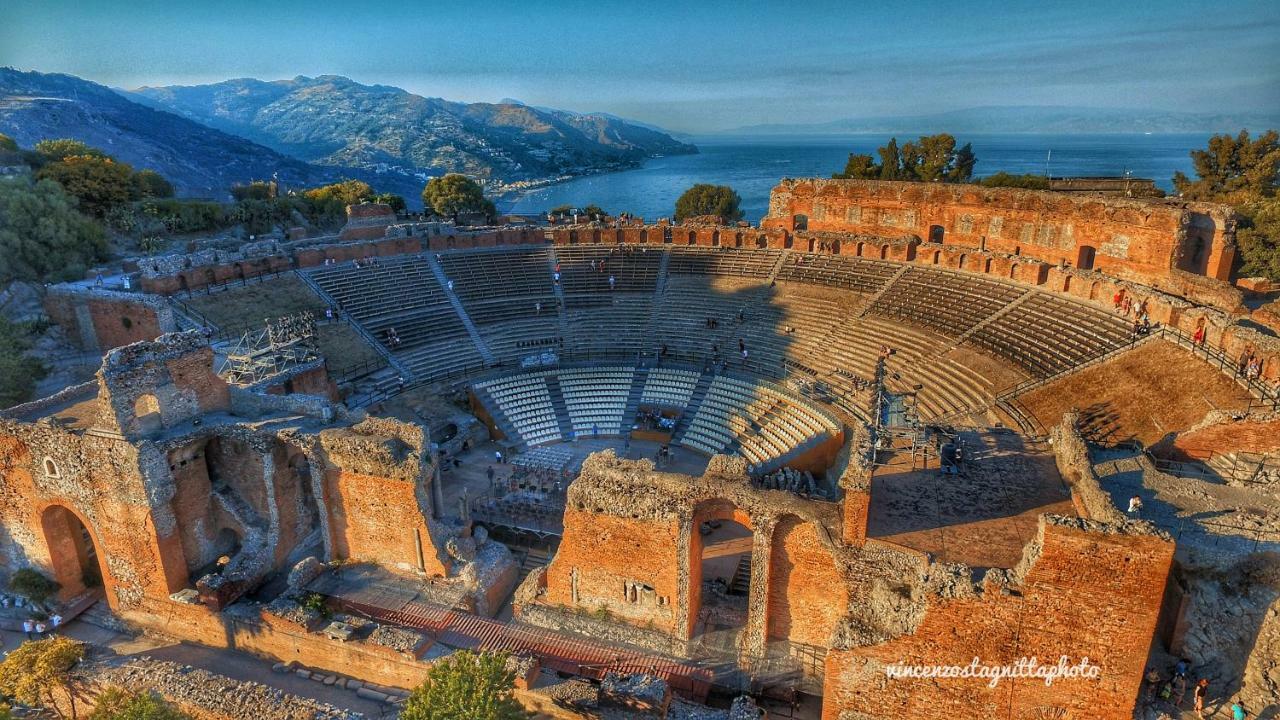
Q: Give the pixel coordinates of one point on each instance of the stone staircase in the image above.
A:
(741, 581)
(884, 290)
(691, 407)
(374, 387)
(562, 311)
(633, 398)
(558, 404)
(472, 331)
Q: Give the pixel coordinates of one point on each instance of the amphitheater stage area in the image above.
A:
(982, 516)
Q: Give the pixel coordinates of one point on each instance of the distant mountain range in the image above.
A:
(310, 131)
(332, 120)
(199, 161)
(1030, 119)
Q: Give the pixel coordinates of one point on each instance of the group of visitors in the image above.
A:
(663, 457)
(369, 261)
(1250, 365)
(1173, 689)
(393, 340)
(39, 628)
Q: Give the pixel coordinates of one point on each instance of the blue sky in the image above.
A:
(688, 66)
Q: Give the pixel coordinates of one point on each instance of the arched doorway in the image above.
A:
(74, 560)
(937, 234)
(720, 579)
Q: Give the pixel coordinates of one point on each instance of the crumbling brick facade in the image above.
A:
(1127, 238)
(169, 478)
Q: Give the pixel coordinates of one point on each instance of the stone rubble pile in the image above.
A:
(800, 482)
(187, 686)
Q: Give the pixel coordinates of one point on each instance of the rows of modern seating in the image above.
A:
(755, 420)
(596, 398)
(525, 401)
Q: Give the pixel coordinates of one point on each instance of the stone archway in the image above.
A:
(750, 638)
(75, 560)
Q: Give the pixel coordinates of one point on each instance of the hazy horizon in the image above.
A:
(691, 70)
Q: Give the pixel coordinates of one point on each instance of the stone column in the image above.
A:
(755, 634)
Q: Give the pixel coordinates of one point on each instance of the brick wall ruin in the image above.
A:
(98, 319)
(169, 479)
(1128, 238)
(1084, 590)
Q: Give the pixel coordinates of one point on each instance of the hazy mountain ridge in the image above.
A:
(200, 161)
(332, 120)
(1030, 119)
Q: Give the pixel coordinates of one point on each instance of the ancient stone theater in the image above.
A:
(848, 463)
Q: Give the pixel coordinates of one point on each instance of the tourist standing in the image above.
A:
(1198, 696)
(29, 627)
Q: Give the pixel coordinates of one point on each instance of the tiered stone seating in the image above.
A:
(722, 261)
(525, 402)
(501, 285)
(950, 302)
(395, 293)
(597, 398)
(672, 388)
(634, 269)
(755, 420)
(1048, 334)
(854, 273)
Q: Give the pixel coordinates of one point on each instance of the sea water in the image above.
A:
(753, 165)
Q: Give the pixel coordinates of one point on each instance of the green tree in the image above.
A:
(152, 184)
(455, 194)
(962, 164)
(116, 703)
(256, 190)
(859, 167)
(395, 201)
(703, 199)
(33, 585)
(19, 372)
(474, 686)
(98, 182)
(63, 148)
(347, 192)
(1234, 170)
(594, 212)
(38, 671)
(8, 143)
(1004, 179)
(1259, 239)
(42, 236)
(890, 161)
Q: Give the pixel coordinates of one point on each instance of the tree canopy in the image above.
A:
(153, 185)
(19, 372)
(43, 236)
(705, 199)
(8, 143)
(116, 703)
(347, 192)
(1244, 172)
(475, 686)
(1234, 170)
(98, 182)
(931, 158)
(455, 194)
(1026, 182)
(37, 671)
(63, 148)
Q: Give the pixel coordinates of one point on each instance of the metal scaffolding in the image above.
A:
(281, 344)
